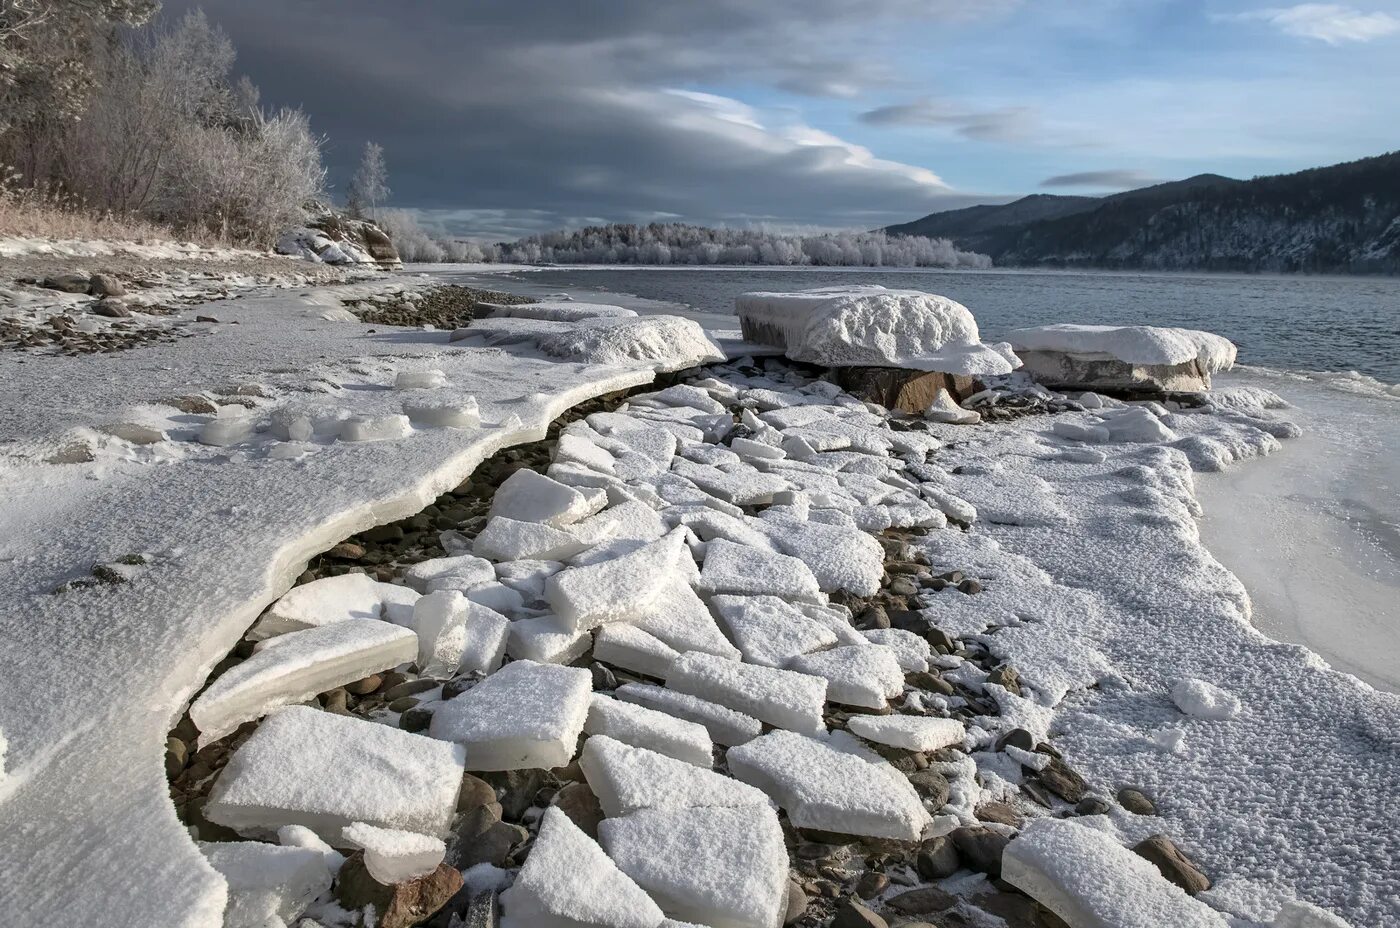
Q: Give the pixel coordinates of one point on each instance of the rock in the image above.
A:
(518, 789)
(1017, 910)
(365, 686)
(999, 813)
(603, 678)
(577, 801)
(852, 914)
(895, 388)
(475, 792)
(796, 903)
(1016, 738)
(932, 787)
(937, 858)
(112, 308)
(105, 285)
(924, 901)
(1063, 781)
(932, 682)
(403, 704)
(1092, 805)
(416, 719)
(459, 685)
(1175, 866)
(347, 550)
(491, 846)
(940, 640)
(1133, 799)
(66, 283)
(970, 587)
(980, 847)
(874, 617)
(176, 755)
(1008, 677)
(383, 534)
(408, 688)
(1059, 370)
(402, 904)
(205, 319)
(871, 884)
(903, 586)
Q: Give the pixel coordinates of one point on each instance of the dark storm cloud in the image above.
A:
(532, 114)
(1117, 180)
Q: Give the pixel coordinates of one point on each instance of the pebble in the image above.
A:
(416, 719)
(1006, 677)
(401, 905)
(852, 914)
(871, 884)
(970, 587)
(796, 903)
(903, 586)
(403, 703)
(365, 686)
(924, 901)
(1016, 738)
(176, 755)
(409, 688)
(458, 685)
(1175, 866)
(578, 802)
(474, 793)
(937, 858)
(874, 617)
(1092, 805)
(347, 550)
(931, 682)
(1135, 801)
(1063, 781)
(1000, 813)
(931, 785)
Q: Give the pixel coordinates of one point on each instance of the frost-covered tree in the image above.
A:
(370, 184)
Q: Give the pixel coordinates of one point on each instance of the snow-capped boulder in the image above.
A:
(334, 239)
(1122, 359)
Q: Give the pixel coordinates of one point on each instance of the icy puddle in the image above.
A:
(746, 651)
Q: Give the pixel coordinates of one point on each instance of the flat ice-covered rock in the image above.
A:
(912, 732)
(911, 650)
(617, 589)
(505, 539)
(468, 569)
(569, 882)
(1132, 344)
(627, 778)
(325, 771)
(524, 715)
(725, 726)
(781, 698)
(731, 568)
(832, 785)
(630, 648)
(769, 631)
(392, 855)
(647, 728)
(871, 326)
(297, 666)
(721, 867)
(1203, 700)
(856, 676)
(1091, 881)
(267, 884)
(667, 343)
(529, 496)
(323, 601)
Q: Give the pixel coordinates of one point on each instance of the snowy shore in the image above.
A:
(1092, 585)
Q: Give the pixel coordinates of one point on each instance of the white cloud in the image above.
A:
(1007, 124)
(1332, 23)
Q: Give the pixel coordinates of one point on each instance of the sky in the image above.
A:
(501, 118)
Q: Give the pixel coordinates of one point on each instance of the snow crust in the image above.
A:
(267, 884)
(725, 725)
(779, 697)
(627, 778)
(525, 715)
(912, 732)
(1133, 344)
(647, 728)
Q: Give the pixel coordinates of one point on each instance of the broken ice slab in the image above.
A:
(769, 631)
(295, 667)
(443, 413)
(545, 640)
(528, 496)
(781, 698)
(456, 635)
(526, 715)
(679, 617)
(267, 884)
(393, 856)
(470, 570)
(325, 771)
(420, 380)
(617, 589)
(911, 732)
(910, 650)
(569, 882)
(375, 428)
(721, 867)
(1091, 881)
(324, 601)
(866, 676)
(724, 725)
(630, 648)
(731, 568)
(505, 539)
(647, 728)
(840, 558)
(833, 785)
(627, 778)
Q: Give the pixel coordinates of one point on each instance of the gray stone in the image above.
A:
(931, 785)
(409, 688)
(491, 846)
(105, 285)
(112, 308)
(937, 858)
(400, 905)
(796, 903)
(852, 914)
(1092, 805)
(924, 901)
(980, 847)
(1063, 781)
(416, 719)
(1135, 801)
(871, 884)
(1016, 738)
(66, 283)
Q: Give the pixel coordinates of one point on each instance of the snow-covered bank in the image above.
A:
(1314, 534)
(96, 674)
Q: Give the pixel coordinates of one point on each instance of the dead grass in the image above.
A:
(29, 213)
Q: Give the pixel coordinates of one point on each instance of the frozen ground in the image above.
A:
(1314, 534)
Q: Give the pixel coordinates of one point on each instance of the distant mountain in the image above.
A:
(1340, 219)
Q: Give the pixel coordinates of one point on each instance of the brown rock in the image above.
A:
(930, 682)
(347, 550)
(491, 846)
(980, 847)
(937, 858)
(401, 905)
(871, 884)
(796, 903)
(105, 285)
(924, 901)
(1175, 865)
(1063, 781)
(365, 685)
(66, 283)
(1007, 677)
(1135, 801)
(112, 308)
(1000, 813)
(852, 914)
(577, 801)
(931, 785)
(475, 792)
(899, 389)
(176, 754)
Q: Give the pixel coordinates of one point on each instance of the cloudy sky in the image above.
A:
(503, 117)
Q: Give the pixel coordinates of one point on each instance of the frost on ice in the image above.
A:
(779, 697)
(267, 884)
(647, 728)
(626, 778)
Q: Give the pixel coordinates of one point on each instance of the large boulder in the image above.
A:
(335, 239)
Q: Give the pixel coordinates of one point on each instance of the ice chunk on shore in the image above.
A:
(912, 732)
(856, 676)
(615, 590)
(529, 496)
(630, 648)
(1091, 881)
(721, 867)
(444, 413)
(325, 771)
(457, 635)
(375, 428)
(303, 837)
(870, 326)
(681, 619)
(647, 728)
(834, 785)
(267, 884)
(731, 568)
(546, 640)
(724, 725)
(568, 882)
(909, 649)
(225, 430)
(1132, 344)
(627, 778)
(420, 380)
(667, 343)
(302, 664)
(779, 697)
(466, 568)
(322, 602)
(506, 539)
(769, 631)
(393, 856)
(839, 558)
(1203, 700)
(524, 715)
